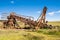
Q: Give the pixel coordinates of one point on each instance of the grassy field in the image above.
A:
(21, 34)
(55, 23)
(42, 34)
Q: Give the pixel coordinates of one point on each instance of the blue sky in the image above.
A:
(32, 8)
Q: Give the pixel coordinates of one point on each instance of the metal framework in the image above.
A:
(41, 20)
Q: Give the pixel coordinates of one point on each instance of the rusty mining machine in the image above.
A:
(40, 23)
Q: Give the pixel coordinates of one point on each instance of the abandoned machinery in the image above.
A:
(13, 18)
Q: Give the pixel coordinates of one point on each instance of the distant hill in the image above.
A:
(2, 20)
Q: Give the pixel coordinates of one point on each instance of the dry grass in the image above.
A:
(56, 23)
(13, 34)
(21, 34)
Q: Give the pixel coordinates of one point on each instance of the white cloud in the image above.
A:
(12, 2)
(0, 16)
(38, 11)
(52, 13)
(59, 11)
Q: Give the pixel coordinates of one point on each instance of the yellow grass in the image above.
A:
(13, 34)
(21, 34)
(56, 23)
